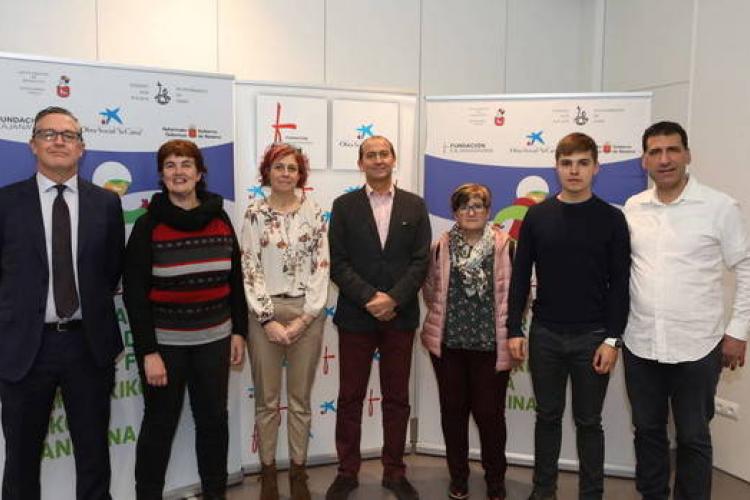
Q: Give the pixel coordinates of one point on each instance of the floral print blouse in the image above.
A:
(284, 254)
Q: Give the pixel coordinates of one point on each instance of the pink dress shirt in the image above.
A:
(381, 204)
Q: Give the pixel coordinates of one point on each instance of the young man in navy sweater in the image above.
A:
(580, 248)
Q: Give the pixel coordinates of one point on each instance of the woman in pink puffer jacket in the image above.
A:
(464, 331)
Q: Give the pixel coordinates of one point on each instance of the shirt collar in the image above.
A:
(46, 184)
(370, 191)
(692, 192)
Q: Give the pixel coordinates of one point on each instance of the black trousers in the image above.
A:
(689, 388)
(204, 369)
(555, 356)
(64, 361)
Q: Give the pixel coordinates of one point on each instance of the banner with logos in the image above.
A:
(288, 111)
(349, 117)
(126, 114)
(304, 124)
(507, 142)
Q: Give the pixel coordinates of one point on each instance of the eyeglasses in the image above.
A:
(49, 135)
(465, 209)
(289, 169)
(383, 155)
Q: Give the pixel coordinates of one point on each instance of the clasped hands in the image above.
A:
(382, 306)
(287, 333)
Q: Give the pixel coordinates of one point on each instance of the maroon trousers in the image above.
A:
(468, 384)
(356, 350)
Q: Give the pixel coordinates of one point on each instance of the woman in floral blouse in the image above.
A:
(466, 293)
(285, 267)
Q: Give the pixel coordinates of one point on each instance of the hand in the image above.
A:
(517, 347)
(295, 328)
(605, 359)
(732, 352)
(276, 333)
(388, 316)
(237, 352)
(156, 372)
(381, 306)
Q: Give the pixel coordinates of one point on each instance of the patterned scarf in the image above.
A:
(467, 259)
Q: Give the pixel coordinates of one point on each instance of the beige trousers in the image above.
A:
(266, 361)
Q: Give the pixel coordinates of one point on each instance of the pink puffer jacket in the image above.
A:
(435, 293)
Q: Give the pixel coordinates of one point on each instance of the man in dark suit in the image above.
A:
(61, 248)
(379, 240)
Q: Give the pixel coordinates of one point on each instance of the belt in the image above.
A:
(286, 296)
(64, 326)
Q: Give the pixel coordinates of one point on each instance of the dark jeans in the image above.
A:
(356, 350)
(553, 357)
(690, 388)
(468, 383)
(205, 371)
(64, 360)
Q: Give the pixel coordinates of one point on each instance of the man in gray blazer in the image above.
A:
(379, 239)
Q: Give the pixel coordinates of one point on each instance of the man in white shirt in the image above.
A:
(682, 235)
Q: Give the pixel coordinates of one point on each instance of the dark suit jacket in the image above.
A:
(24, 273)
(360, 266)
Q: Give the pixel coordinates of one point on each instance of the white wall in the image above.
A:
(59, 29)
(432, 46)
(463, 47)
(550, 49)
(647, 46)
(279, 40)
(155, 33)
(373, 44)
(719, 128)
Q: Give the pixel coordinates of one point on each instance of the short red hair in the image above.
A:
(278, 150)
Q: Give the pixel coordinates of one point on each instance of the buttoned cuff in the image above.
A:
(737, 329)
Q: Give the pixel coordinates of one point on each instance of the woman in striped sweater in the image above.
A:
(188, 315)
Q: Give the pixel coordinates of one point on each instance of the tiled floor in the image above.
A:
(430, 478)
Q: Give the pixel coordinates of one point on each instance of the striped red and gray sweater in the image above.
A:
(182, 280)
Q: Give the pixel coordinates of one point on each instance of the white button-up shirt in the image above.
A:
(679, 251)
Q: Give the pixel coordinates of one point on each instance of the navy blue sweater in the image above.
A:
(582, 256)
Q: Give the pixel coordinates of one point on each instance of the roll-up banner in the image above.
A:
(507, 142)
(126, 113)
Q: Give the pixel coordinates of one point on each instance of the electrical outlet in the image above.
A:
(726, 408)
